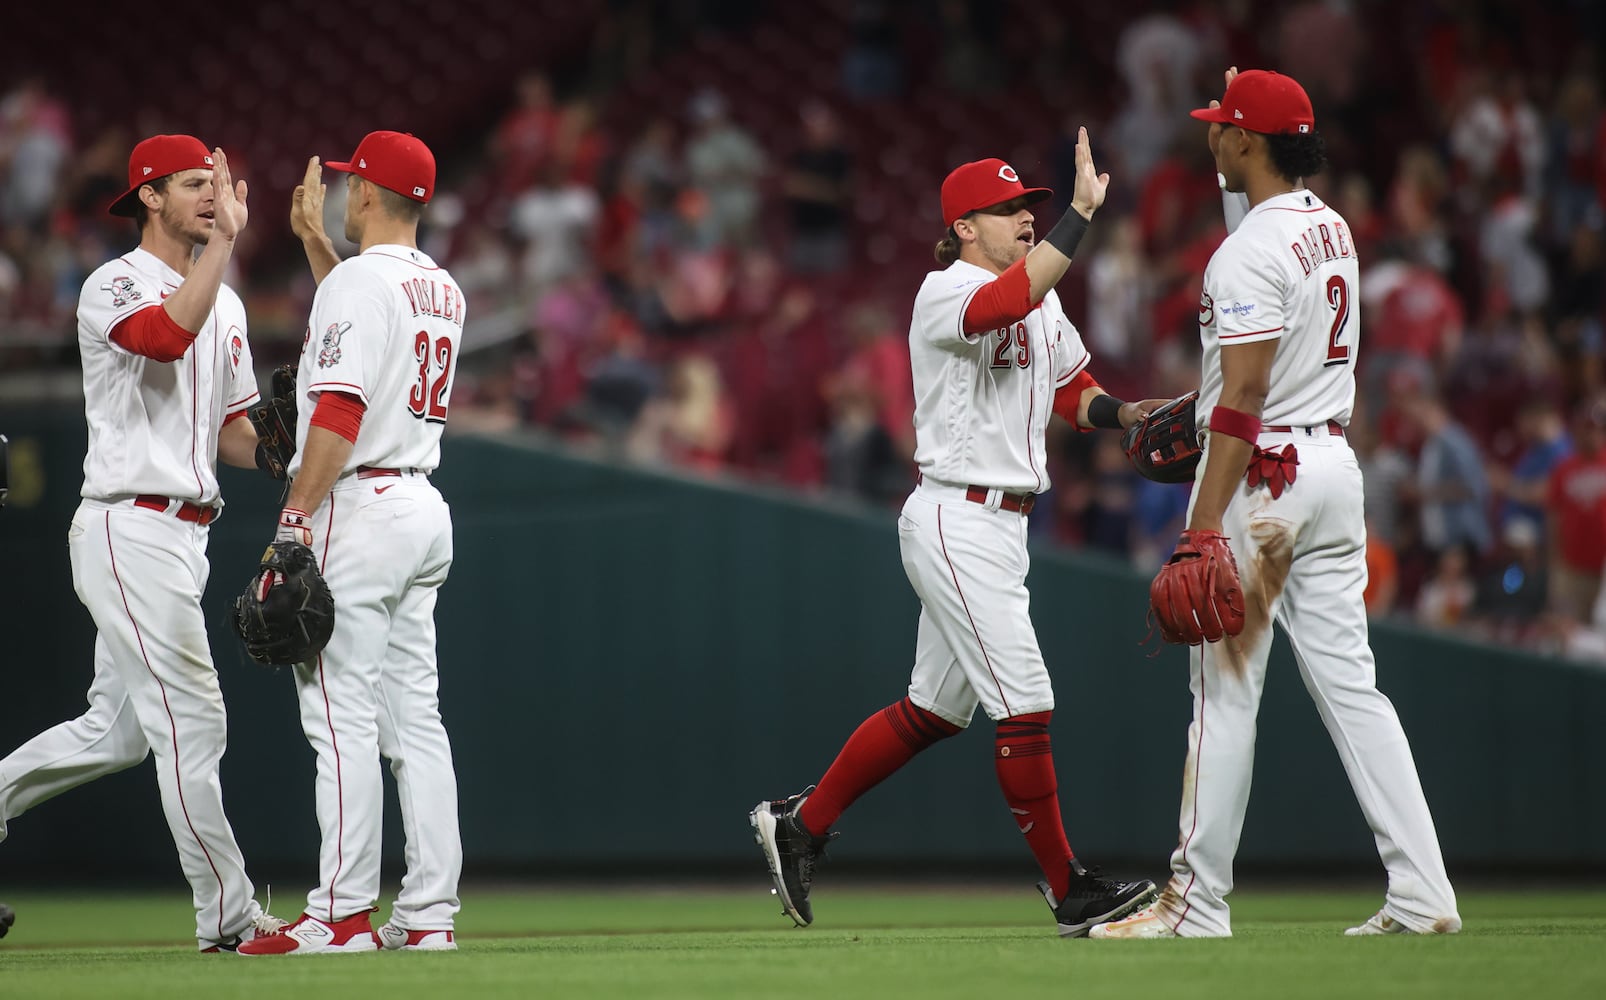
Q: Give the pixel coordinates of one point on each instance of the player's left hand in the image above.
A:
(1196, 596)
(294, 526)
(1134, 412)
(306, 204)
(228, 199)
(1090, 184)
(1215, 133)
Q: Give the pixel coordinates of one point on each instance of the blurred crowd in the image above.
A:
(713, 271)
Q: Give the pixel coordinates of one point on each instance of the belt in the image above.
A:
(369, 472)
(187, 511)
(1013, 502)
(1333, 427)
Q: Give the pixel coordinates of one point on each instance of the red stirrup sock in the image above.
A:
(1025, 765)
(883, 743)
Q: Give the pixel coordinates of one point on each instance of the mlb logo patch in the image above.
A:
(418, 192)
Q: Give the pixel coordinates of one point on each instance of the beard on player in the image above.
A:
(1002, 240)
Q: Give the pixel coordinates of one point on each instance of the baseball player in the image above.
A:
(167, 377)
(993, 357)
(1278, 497)
(373, 388)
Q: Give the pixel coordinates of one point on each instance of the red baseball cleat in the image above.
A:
(310, 936)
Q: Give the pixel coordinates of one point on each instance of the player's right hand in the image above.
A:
(1090, 184)
(306, 204)
(228, 199)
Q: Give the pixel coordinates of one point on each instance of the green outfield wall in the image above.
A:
(630, 660)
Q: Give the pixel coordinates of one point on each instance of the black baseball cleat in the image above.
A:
(791, 852)
(1093, 899)
(7, 918)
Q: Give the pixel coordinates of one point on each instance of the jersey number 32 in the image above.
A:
(428, 398)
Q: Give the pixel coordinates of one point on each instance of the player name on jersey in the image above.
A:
(434, 298)
(1319, 244)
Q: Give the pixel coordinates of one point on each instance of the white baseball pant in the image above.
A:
(1302, 561)
(140, 573)
(385, 545)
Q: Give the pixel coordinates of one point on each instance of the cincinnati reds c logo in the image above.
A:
(1008, 173)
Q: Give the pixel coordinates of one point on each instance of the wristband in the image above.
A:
(1104, 410)
(1067, 232)
(1235, 423)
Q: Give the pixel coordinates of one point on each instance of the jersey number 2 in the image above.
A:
(425, 400)
(1338, 298)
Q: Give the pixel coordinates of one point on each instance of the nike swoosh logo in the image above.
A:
(381, 489)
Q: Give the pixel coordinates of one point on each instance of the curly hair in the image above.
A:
(1297, 155)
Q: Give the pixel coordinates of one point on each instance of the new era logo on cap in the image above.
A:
(397, 161)
(147, 171)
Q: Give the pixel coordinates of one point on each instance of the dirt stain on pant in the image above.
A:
(1262, 581)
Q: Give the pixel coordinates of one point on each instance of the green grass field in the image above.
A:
(895, 941)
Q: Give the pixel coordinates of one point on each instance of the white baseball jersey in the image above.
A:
(385, 327)
(1257, 287)
(153, 425)
(983, 401)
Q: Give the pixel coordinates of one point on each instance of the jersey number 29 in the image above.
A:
(1338, 298)
(427, 400)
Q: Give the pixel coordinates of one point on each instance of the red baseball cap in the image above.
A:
(982, 184)
(397, 161)
(1259, 100)
(154, 159)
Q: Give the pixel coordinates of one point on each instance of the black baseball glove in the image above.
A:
(286, 614)
(1165, 445)
(275, 421)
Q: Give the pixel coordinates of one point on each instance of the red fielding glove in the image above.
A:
(1196, 597)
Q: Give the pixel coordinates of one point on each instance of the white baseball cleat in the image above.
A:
(1377, 923)
(1382, 923)
(1143, 924)
(395, 938)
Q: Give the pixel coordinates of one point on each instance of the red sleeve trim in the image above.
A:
(1005, 299)
(152, 333)
(231, 418)
(1248, 333)
(1068, 397)
(339, 412)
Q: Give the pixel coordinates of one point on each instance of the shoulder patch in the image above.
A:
(330, 354)
(122, 291)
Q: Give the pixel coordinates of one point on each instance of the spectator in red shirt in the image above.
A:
(1577, 511)
(525, 139)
